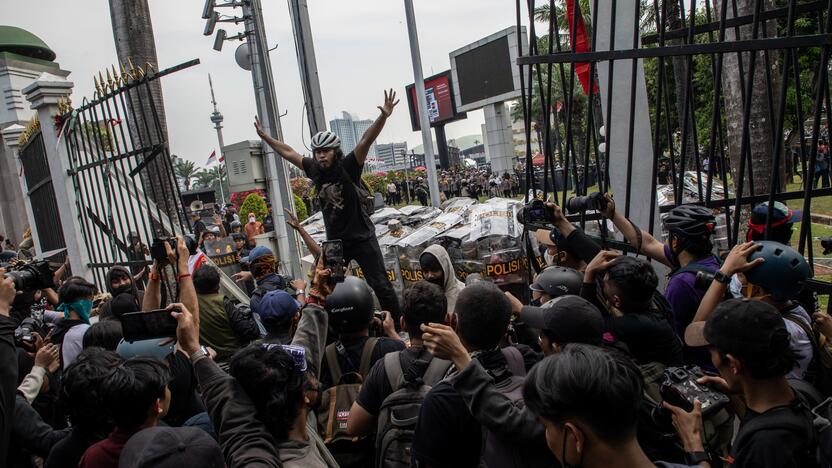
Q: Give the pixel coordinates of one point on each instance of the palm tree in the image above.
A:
(186, 171)
(210, 178)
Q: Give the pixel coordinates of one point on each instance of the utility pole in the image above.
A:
(307, 66)
(275, 167)
(217, 118)
(424, 121)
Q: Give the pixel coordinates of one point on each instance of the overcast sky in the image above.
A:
(361, 48)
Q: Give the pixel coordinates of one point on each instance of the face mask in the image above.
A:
(252, 219)
(122, 289)
(81, 307)
(437, 280)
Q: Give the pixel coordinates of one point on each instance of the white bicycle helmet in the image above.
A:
(325, 140)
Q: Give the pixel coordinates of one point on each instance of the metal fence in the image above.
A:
(738, 98)
(42, 194)
(126, 190)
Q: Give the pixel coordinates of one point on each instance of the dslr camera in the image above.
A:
(30, 276)
(593, 201)
(158, 251)
(679, 388)
(536, 214)
(24, 334)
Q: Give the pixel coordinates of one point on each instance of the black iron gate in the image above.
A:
(41, 194)
(739, 104)
(126, 190)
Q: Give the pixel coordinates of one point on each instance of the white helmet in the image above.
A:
(325, 139)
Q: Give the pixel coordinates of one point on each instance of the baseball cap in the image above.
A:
(780, 214)
(543, 238)
(174, 447)
(277, 306)
(742, 327)
(567, 319)
(256, 253)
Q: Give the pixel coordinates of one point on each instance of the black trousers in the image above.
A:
(368, 255)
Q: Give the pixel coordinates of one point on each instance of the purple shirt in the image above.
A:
(684, 298)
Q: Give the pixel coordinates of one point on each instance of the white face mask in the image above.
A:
(252, 219)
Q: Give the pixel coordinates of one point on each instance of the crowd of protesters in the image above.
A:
(314, 374)
(455, 182)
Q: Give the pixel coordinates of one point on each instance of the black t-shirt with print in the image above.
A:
(341, 205)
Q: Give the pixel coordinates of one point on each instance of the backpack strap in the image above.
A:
(366, 356)
(393, 369)
(693, 268)
(332, 363)
(515, 361)
(796, 319)
(436, 371)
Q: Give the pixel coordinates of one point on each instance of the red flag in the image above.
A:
(577, 33)
(212, 158)
(222, 157)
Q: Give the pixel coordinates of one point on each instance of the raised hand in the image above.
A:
(390, 102)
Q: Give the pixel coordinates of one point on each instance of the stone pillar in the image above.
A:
(499, 137)
(621, 116)
(43, 95)
(11, 134)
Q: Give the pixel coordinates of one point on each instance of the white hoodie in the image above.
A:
(452, 285)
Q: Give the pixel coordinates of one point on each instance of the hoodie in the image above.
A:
(452, 285)
(104, 312)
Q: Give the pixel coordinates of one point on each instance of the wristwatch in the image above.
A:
(722, 277)
(693, 458)
(202, 352)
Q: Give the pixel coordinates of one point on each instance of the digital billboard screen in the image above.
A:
(440, 100)
(484, 71)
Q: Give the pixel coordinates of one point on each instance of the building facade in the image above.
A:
(350, 129)
(392, 155)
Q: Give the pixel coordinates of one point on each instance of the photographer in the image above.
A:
(625, 288)
(263, 270)
(750, 347)
(187, 294)
(8, 362)
(688, 250)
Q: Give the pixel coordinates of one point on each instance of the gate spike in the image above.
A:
(116, 76)
(103, 83)
(125, 78)
(97, 84)
(131, 69)
(109, 80)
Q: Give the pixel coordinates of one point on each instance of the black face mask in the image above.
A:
(124, 288)
(437, 280)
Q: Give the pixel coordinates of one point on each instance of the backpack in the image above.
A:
(336, 401)
(819, 372)
(497, 452)
(814, 423)
(400, 410)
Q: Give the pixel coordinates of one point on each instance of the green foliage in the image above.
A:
(376, 182)
(300, 209)
(210, 178)
(254, 204)
(186, 171)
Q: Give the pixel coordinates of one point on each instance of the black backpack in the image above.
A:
(819, 372)
(400, 410)
(814, 423)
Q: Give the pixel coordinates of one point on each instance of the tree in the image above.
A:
(254, 204)
(186, 170)
(210, 178)
(133, 36)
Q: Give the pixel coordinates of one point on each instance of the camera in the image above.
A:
(24, 334)
(593, 201)
(30, 276)
(536, 213)
(679, 388)
(158, 252)
(703, 280)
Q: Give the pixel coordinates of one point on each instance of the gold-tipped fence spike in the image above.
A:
(102, 82)
(116, 76)
(110, 80)
(125, 78)
(97, 86)
(131, 69)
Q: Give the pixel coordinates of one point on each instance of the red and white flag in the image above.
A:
(212, 159)
(222, 157)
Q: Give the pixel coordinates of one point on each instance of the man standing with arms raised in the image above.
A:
(337, 178)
